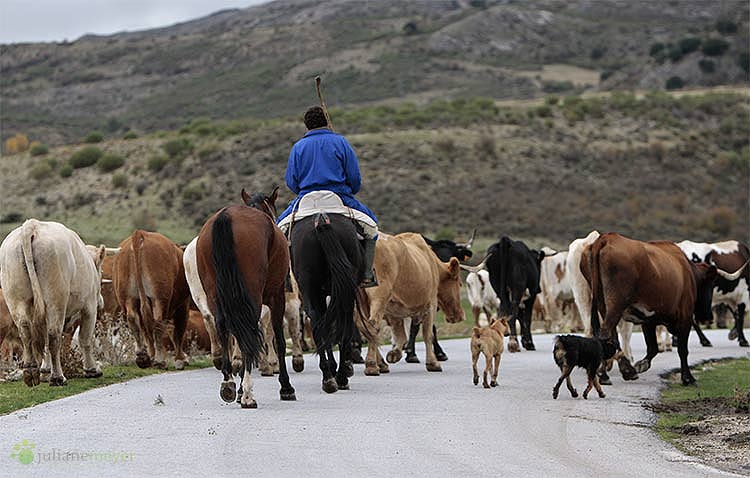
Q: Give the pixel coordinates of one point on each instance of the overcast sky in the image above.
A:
(57, 20)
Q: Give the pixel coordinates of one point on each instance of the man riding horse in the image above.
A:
(325, 161)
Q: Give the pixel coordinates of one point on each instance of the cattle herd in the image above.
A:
(52, 283)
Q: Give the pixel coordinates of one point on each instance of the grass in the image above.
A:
(16, 395)
(715, 380)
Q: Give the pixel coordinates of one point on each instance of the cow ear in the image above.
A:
(454, 268)
(428, 241)
(711, 274)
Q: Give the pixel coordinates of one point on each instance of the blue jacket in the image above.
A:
(324, 160)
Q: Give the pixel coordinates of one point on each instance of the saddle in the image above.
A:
(326, 202)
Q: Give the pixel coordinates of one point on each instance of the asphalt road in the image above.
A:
(407, 423)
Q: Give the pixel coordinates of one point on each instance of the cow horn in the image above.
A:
(471, 240)
(106, 281)
(475, 269)
(733, 276)
(111, 251)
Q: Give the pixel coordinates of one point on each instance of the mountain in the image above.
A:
(259, 62)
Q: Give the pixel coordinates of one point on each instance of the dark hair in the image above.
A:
(315, 118)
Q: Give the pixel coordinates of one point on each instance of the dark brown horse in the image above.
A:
(243, 259)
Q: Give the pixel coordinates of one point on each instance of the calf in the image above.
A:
(572, 351)
(490, 341)
(481, 295)
(556, 296)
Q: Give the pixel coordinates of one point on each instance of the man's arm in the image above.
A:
(292, 181)
(351, 167)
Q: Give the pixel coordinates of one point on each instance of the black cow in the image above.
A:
(514, 275)
(444, 249)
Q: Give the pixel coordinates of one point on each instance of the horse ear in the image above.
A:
(274, 195)
(245, 197)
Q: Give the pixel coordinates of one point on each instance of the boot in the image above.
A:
(369, 279)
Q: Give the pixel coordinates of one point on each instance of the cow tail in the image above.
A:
(28, 257)
(596, 286)
(138, 239)
(336, 325)
(236, 311)
(505, 245)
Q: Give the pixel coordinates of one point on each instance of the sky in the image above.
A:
(57, 20)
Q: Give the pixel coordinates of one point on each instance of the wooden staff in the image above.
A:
(323, 103)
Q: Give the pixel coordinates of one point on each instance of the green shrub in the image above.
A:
(674, 54)
(40, 171)
(597, 52)
(656, 48)
(39, 149)
(557, 86)
(119, 180)
(11, 217)
(603, 76)
(53, 162)
(113, 124)
(707, 66)
(110, 162)
(715, 47)
(208, 150)
(675, 83)
(157, 163)
(689, 44)
(93, 137)
(130, 135)
(85, 157)
(543, 111)
(552, 100)
(743, 60)
(193, 192)
(726, 26)
(66, 171)
(177, 147)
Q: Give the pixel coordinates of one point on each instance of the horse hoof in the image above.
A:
(342, 386)
(383, 367)
(642, 365)
(605, 380)
(288, 395)
(706, 343)
(159, 365)
(142, 360)
(689, 380)
(486, 385)
(743, 343)
(393, 356)
(476, 380)
(441, 357)
(298, 364)
(412, 358)
(513, 346)
(349, 368)
(602, 395)
(574, 393)
(433, 367)
(57, 381)
(266, 372)
(371, 369)
(179, 365)
(493, 384)
(92, 373)
(250, 404)
(239, 395)
(31, 377)
(733, 334)
(329, 386)
(357, 357)
(217, 363)
(528, 345)
(228, 391)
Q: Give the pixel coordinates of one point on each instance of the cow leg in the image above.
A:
(33, 348)
(180, 319)
(565, 374)
(439, 353)
(487, 369)
(159, 319)
(513, 340)
(704, 340)
(625, 330)
(292, 316)
(132, 312)
(495, 370)
(739, 319)
(652, 347)
(266, 355)
(526, 340)
(277, 320)
(399, 340)
(55, 321)
(428, 320)
(410, 349)
(682, 350)
(86, 340)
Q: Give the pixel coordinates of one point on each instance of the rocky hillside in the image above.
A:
(650, 166)
(258, 62)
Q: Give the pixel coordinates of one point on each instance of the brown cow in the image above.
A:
(647, 283)
(10, 341)
(413, 282)
(150, 285)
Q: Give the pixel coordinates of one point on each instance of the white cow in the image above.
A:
(582, 291)
(49, 278)
(556, 297)
(481, 295)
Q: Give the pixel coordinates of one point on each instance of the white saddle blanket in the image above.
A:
(328, 202)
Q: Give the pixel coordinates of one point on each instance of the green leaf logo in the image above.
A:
(23, 452)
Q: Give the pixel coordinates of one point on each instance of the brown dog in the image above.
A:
(489, 340)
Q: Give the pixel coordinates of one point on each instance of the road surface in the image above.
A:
(407, 423)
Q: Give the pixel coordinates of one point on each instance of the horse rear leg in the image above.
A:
(180, 319)
(277, 322)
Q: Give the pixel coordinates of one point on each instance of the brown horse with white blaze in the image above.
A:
(243, 259)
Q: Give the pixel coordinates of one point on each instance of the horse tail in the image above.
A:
(337, 324)
(139, 237)
(236, 311)
(596, 286)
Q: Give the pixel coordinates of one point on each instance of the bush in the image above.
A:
(177, 148)
(707, 66)
(543, 111)
(715, 47)
(66, 171)
(119, 180)
(11, 217)
(675, 83)
(743, 60)
(726, 27)
(110, 162)
(193, 192)
(674, 54)
(597, 52)
(207, 151)
(53, 162)
(38, 149)
(557, 86)
(157, 163)
(655, 49)
(130, 135)
(689, 44)
(40, 171)
(17, 144)
(603, 76)
(85, 157)
(93, 137)
(552, 100)
(485, 145)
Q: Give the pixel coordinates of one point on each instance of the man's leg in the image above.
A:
(370, 235)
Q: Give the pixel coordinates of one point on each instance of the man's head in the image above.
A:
(315, 118)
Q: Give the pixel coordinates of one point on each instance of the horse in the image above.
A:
(243, 260)
(328, 260)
